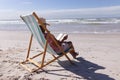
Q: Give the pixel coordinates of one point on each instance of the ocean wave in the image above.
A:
(85, 21)
(11, 22)
(70, 21)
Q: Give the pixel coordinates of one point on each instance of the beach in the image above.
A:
(98, 58)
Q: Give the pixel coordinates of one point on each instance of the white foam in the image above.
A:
(79, 21)
(86, 21)
(11, 22)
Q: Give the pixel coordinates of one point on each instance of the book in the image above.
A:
(61, 36)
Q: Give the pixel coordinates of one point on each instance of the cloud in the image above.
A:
(112, 11)
(12, 14)
(27, 2)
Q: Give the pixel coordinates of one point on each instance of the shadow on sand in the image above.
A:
(82, 68)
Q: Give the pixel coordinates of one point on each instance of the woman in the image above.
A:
(65, 45)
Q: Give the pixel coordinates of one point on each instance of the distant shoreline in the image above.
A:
(63, 32)
(95, 26)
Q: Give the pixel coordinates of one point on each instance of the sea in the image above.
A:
(72, 25)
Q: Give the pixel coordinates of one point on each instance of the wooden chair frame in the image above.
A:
(43, 53)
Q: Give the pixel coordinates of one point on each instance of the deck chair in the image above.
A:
(33, 21)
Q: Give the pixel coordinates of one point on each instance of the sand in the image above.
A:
(98, 58)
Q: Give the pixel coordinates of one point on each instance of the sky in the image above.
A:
(12, 9)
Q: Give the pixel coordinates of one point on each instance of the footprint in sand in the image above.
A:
(1, 75)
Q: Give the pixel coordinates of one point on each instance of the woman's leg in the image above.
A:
(72, 51)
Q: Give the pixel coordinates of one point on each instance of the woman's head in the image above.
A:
(43, 21)
(43, 28)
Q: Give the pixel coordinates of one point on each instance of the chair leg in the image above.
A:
(43, 58)
(54, 56)
(44, 53)
(28, 53)
(68, 58)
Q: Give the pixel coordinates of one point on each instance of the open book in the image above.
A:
(61, 36)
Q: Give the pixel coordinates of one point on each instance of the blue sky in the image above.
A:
(60, 8)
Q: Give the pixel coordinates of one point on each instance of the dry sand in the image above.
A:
(98, 58)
